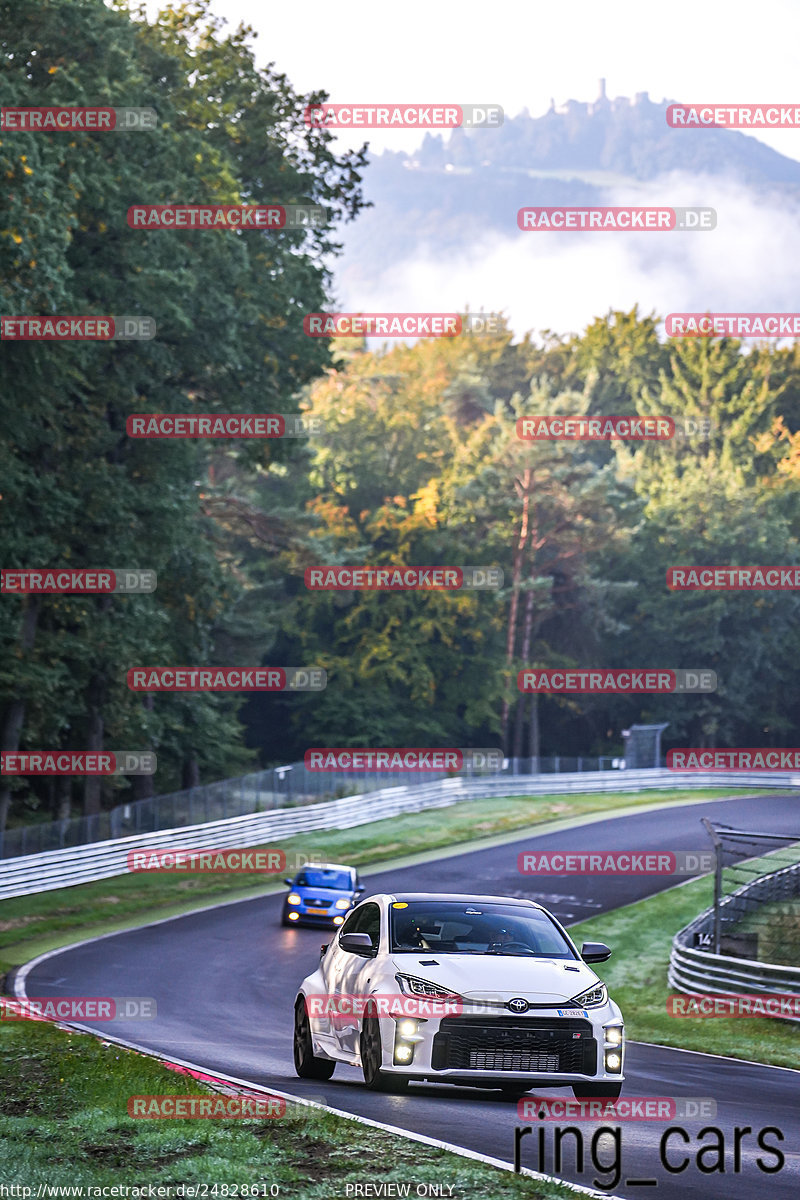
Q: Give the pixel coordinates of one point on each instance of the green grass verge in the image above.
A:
(32, 925)
(64, 1122)
(641, 937)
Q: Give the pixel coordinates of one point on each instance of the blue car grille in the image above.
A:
(317, 903)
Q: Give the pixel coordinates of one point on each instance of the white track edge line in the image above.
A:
(411, 1135)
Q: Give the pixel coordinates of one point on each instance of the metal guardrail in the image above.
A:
(702, 972)
(102, 860)
(275, 787)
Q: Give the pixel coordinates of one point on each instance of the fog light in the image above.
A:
(338, 920)
(294, 916)
(614, 1035)
(406, 1028)
(403, 1054)
(613, 1061)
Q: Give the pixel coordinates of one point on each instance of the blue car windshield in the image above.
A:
(341, 881)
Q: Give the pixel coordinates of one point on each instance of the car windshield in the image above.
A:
(342, 881)
(449, 927)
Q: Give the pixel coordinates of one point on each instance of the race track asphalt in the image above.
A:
(225, 980)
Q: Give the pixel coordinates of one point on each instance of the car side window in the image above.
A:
(366, 919)
(371, 923)
(351, 924)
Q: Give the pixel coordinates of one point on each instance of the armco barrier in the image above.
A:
(275, 787)
(100, 860)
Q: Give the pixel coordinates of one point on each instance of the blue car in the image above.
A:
(321, 894)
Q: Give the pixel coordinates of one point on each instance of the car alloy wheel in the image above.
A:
(371, 1057)
(306, 1064)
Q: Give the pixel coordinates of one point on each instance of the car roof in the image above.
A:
(457, 897)
(319, 866)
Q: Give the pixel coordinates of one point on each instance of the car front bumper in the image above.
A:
(304, 917)
(537, 1047)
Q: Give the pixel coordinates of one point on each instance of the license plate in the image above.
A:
(572, 1012)
(317, 912)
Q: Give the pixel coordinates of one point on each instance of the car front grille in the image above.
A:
(552, 1046)
(318, 903)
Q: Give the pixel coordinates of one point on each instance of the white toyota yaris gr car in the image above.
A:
(482, 991)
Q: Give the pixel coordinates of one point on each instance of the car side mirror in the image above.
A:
(592, 952)
(357, 943)
(289, 882)
(322, 949)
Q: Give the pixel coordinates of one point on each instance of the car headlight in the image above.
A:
(342, 903)
(293, 898)
(593, 997)
(412, 986)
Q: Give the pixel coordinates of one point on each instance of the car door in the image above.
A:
(355, 975)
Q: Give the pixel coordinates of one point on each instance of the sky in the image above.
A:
(519, 54)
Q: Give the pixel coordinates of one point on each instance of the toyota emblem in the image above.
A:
(518, 1005)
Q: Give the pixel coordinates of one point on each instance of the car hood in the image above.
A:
(539, 980)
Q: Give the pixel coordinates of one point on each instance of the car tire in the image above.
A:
(371, 1057)
(588, 1091)
(306, 1063)
(285, 920)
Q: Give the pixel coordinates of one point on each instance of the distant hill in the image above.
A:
(465, 184)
